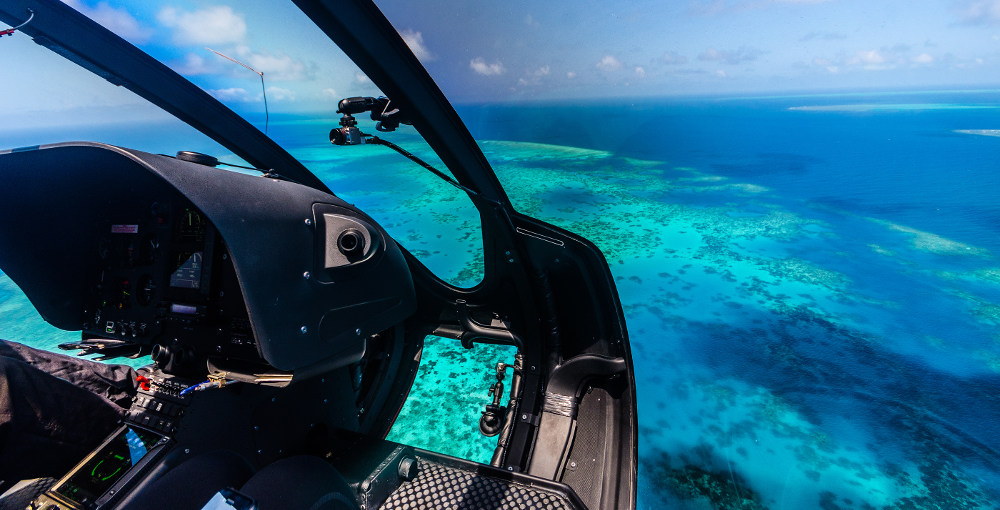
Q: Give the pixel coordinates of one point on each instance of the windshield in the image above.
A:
(286, 79)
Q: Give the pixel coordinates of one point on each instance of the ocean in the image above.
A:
(811, 283)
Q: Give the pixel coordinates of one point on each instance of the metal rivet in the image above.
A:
(357, 331)
(187, 450)
(309, 222)
(532, 368)
(306, 275)
(304, 330)
(572, 465)
(524, 417)
(507, 253)
(510, 468)
(510, 260)
(257, 427)
(260, 452)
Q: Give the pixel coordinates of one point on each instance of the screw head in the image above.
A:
(304, 330)
(306, 275)
(308, 222)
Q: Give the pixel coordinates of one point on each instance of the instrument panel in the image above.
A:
(163, 275)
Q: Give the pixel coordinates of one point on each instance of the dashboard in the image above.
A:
(199, 266)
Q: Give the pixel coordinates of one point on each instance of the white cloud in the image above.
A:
(609, 63)
(868, 58)
(480, 66)
(827, 64)
(570, 74)
(980, 12)
(885, 58)
(873, 60)
(275, 67)
(332, 94)
(118, 21)
(720, 73)
(208, 26)
(534, 77)
(280, 94)
(640, 72)
(195, 64)
(415, 40)
(234, 94)
(362, 78)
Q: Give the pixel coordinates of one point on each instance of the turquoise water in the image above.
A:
(812, 286)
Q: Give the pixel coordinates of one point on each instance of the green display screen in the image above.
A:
(108, 466)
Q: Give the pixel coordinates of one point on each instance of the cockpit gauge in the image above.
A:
(187, 274)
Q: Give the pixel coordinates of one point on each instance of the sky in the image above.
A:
(516, 50)
(520, 49)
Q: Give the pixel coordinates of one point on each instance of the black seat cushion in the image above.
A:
(193, 482)
(302, 482)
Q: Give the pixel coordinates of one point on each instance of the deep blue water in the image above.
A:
(908, 166)
(812, 294)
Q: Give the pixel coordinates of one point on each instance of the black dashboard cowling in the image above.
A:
(308, 305)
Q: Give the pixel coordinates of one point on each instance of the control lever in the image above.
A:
(491, 420)
(107, 348)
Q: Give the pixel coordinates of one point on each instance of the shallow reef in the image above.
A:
(723, 491)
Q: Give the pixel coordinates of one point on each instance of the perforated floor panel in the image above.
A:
(437, 486)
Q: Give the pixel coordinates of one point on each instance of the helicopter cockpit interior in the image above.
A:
(263, 281)
(286, 325)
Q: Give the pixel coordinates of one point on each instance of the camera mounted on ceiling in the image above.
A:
(386, 116)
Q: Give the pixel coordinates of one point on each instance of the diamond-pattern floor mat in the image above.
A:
(438, 486)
